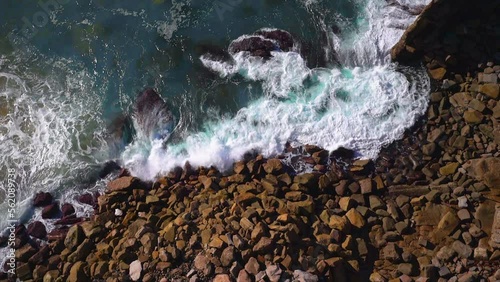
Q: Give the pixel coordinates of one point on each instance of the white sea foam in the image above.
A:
(51, 131)
(361, 109)
(365, 105)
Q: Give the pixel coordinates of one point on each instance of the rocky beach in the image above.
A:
(427, 209)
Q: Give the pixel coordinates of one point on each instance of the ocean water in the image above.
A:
(70, 69)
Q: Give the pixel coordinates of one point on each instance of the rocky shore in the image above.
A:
(427, 209)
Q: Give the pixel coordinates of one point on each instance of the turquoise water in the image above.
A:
(68, 70)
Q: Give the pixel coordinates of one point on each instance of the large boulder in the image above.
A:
(486, 170)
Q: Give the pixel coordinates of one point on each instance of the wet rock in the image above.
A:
(67, 209)
(108, 168)
(284, 38)
(254, 45)
(86, 198)
(51, 211)
(42, 199)
(37, 229)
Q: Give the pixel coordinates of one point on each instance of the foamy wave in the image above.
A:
(361, 109)
(51, 130)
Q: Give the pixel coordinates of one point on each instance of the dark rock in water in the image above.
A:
(124, 172)
(37, 229)
(42, 199)
(108, 168)
(51, 211)
(213, 53)
(343, 154)
(255, 45)
(121, 132)
(152, 115)
(283, 38)
(86, 198)
(67, 209)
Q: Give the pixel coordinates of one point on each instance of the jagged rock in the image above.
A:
(355, 218)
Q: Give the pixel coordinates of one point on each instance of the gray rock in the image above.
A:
(135, 270)
(302, 276)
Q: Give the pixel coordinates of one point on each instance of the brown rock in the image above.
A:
(491, 90)
(264, 245)
(74, 237)
(346, 203)
(222, 278)
(77, 272)
(485, 169)
(449, 169)
(366, 186)
(437, 74)
(122, 184)
(355, 218)
(273, 166)
(228, 256)
(473, 116)
(252, 266)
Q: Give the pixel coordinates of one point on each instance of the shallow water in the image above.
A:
(63, 82)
